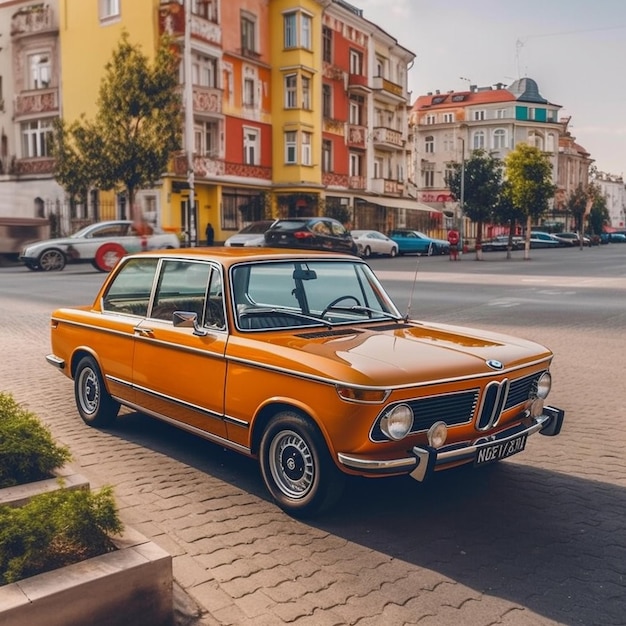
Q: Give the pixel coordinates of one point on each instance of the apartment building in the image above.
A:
(292, 107)
(613, 190)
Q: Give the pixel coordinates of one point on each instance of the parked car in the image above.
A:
(102, 244)
(301, 360)
(311, 233)
(501, 242)
(374, 242)
(252, 235)
(416, 242)
(572, 239)
(544, 240)
(616, 237)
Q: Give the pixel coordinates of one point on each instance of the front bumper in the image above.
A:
(424, 460)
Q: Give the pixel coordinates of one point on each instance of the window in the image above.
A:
(448, 118)
(291, 146)
(251, 146)
(109, 9)
(500, 114)
(355, 112)
(499, 139)
(294, 38)
(248, 33)
(478, 140)
(431, 119)
(327, 44)
(205, 8)
(248, 92)
(306, 93)
(36, 138)
(379, 166)
(39, 71)
(327, 109)
(291, 91)
(380, 67)
(306, 149)
(355, 164)
(478, 115)
(204, 71)
(356, 63)
(206, 139)
(327, 155)
(429, 144)
(429, 175)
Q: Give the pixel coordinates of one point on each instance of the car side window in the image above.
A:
(321, 227)
(338, 229)
(129, 293)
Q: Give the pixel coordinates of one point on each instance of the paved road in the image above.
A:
(538, 539)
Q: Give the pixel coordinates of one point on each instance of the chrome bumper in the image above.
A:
(424, 460)
(55, 361)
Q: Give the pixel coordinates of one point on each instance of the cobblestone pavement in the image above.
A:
(535, 540)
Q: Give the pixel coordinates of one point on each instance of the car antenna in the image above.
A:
(408, 306)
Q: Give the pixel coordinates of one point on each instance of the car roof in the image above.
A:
(228, 256)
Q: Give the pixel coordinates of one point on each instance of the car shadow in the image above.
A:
(550, 542)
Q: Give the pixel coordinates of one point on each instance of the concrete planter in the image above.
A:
(21, 494)
(132, 585)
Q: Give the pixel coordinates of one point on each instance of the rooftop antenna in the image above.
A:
(519, 44)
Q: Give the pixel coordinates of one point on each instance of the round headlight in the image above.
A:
(544, 384)
(437, 434)
(397, 423)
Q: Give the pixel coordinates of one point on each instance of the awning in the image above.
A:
(399, 203)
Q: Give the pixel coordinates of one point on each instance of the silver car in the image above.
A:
(102, 244)
(374, 242)
(250, 236)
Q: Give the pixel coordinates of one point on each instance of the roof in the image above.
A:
(462, 98)
(526, 90)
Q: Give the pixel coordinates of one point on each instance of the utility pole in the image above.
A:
(191, 227)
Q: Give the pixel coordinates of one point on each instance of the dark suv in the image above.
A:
(318, 233)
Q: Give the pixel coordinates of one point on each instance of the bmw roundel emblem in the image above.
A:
(494, 365)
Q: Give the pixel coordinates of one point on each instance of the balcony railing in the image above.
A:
(207, 100)
(357, 136)
(41, 165)
(388, 137)
(248, 171)
(382, 84)
(330, 179)
(356, 182)
(387, 186)
(39, 101)
(32, 19)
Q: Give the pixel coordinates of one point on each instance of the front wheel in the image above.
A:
(95, 405)
(51, 260)
(394, 252)
(367, 252)
(296, 466)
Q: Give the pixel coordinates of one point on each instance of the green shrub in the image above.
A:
(27, 450)
(56, 529)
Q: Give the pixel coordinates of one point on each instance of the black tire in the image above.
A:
(367, 252)
(296, 466)
(31, 265)
(96, 407)
(51, 260)
(431, 250)
(394, 252)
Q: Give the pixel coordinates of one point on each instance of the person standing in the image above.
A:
(210, 234)
(453, 240)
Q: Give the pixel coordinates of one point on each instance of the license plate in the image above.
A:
(500, 450)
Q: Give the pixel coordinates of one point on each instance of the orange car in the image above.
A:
(303, 361)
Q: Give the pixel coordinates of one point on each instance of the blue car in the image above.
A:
(416, 242)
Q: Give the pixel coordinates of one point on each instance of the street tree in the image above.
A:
(137, 125)
(529, 174)
(481, 178)
(579, 204)
(506, 213)
(599, 213)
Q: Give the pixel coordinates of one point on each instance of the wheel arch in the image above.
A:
(79, 353)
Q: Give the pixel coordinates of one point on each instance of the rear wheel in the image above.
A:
(431, 250)
(95, 405)
(51, 260)
(394, 252)
(296, 465)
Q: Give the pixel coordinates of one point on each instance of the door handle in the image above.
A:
(143, 332)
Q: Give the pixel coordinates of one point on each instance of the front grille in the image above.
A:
(459, 408)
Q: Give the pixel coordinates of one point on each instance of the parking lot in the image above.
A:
(537, 539)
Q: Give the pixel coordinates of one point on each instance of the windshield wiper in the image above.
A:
(365, 309)
(288, 312)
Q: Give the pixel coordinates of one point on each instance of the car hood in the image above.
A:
(391, 354)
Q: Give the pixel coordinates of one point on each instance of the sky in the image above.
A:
(574, 49)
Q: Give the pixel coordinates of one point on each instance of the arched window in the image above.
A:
(499, 139)
(478, 140)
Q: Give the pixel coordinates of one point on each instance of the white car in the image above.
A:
(102, 244)
(250, 236)
(374, 242)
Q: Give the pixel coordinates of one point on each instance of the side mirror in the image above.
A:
(188, 319)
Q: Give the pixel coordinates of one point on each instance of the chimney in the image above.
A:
(473, 88)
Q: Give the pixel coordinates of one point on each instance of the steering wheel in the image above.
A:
(337, 301)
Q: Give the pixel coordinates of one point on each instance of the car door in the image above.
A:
(179, 371)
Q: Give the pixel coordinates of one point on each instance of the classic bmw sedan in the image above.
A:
(301, 360)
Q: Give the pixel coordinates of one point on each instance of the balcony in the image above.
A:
(172, 22)
(333, 126)
(32, 19)
(358, 82)
(388, 90)
(356, 136)
(388, 139)
(207, 100)
(243, 170)
(331, 179)
(37, 102)
(28, 167)
(356, 182)
(387, 186)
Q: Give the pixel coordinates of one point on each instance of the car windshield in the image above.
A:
(286, 294)
(256, 228)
